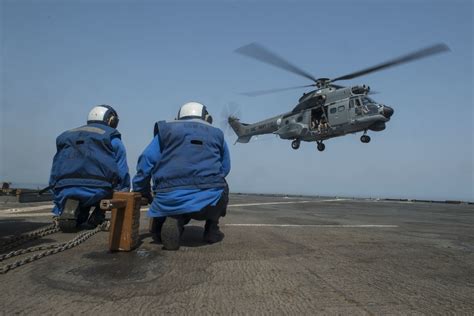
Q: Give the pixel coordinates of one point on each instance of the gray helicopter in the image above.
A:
(328, 111)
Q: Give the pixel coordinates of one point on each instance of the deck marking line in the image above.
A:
(311, 225)
(26, 209)
(289, 202)
(145, 208)
(237, 225)
(21, 215)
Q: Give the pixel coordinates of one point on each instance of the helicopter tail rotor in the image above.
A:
(230, 111)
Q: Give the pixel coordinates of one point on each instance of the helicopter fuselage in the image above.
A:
(320, 115)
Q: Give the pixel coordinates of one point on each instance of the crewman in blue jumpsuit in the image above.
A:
(90, 163)
(188, 160)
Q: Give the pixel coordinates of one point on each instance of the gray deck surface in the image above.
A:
(312, 256)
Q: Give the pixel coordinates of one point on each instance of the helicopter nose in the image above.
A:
(387, 111)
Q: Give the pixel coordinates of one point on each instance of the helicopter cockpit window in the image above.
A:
(333, 110)
(367, 100)
(299, 119)
(369, 106)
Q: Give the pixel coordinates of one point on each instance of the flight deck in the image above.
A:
(280, 255)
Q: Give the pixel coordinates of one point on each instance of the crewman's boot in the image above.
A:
(156, 223)
(212, 233)
(171, 233)
(67, 221)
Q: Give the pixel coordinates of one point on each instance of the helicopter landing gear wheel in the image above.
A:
(321, 146)
(365, 139)
(295, 144)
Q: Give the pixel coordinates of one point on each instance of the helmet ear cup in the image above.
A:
(113, 121)
(111, 117)
(208, 118)
(205, 115)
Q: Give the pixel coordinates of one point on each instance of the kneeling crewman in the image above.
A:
(188, 160)
(90, 163)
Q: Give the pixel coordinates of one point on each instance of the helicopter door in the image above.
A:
(355, 106)
(354, 109)
(338, 113)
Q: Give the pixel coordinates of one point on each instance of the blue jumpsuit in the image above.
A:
(91, 195)
(179, 201)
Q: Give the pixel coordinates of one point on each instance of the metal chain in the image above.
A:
(55, 249)
(27, 250)
(21, 239)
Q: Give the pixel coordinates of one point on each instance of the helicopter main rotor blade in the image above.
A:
(262, 92)
(257, 51)
(425, 52)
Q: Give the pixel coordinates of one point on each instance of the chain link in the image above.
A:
(26, 250)
(21, 239)
(52, 249)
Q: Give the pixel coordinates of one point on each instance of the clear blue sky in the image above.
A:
(59, 58)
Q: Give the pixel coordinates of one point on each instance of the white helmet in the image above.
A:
(103, 114)
(194, 110)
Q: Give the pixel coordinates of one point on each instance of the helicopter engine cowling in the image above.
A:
(363, 89)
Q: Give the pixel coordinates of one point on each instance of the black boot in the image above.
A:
(212, 233)
(155, 229)
(67, 221)
(171, 233)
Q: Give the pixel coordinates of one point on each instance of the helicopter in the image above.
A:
(328, 111)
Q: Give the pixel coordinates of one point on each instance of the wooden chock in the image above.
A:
(125, 222)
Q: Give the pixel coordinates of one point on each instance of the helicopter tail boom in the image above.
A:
(239, 130)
